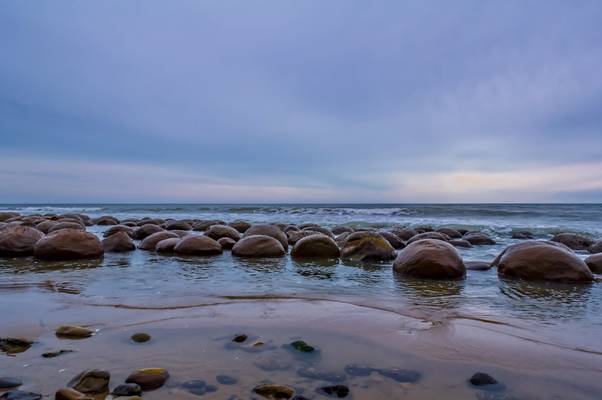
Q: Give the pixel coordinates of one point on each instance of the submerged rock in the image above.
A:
(303, 347)
(337, 230)
(268, 230)
(400, 375)
(404, 233)
(481, 380)
(74, 332)
(573, 241)
(460, 243)
(198, 246)
(141, 337)
(430, 259)
(92, 381)
(477, 265)
(18, 240)
(595, 248)
(274, 392)
(20, 395)
(316, 246)
(258, 246)
(118, 228)
(149, 378)
(240, 338)
(68, 244)
(118, 242)
(198, 387)
(128, 389)
(367, 246)
(339, 391)
(450, 232)
(523, 235)
(177, 226)
(14, 345)
(226, 380)
(9, 383)
(538, 260)
(319, 375)
(393, 239)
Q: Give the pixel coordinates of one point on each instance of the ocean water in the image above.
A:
(557, 317)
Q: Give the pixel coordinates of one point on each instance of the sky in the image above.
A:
(300, 101)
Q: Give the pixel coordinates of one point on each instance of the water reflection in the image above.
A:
(264, 265)
(30, 264)
(429, 292)
(323, 270)
(547, 299)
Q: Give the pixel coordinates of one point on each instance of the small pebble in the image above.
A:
(141, 337)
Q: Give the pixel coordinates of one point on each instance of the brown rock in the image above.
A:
(240, 226)
(573, 241)
(66, 225)
(477, 265)
(429, 235)
(258, 246)
(216, 232)
(523, 235)
(274, 392)
(451, 233)
(118, 228)
(367, 246)
(107, 220)
(595, 263)
(269, 230)
(393, 239)
(595, 248)
(337, 230)
(295, 236)
(319, 229)
(430, 259)
(198, 246)
(150, 242)
(68, 244)
(91, 382)
(118, 243)
(460, 243)
(45, 226)
(146, 230)
(478, 239)
(316, 246)
(204, 225)
(71, 394)
(404, 233)
(167, 245)
(226, 243)
(73, 332)
(17, 240)
(177, 225)
(538, 260)
(149, 378)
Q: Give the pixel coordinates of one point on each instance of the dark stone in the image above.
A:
(20, 395)
(127, 389)
(429, 235)
(573, 241)
(481, 379)
(477, 265)
(14, 345)
(430, 259)
(52, 354)
(8, 383)
(522, 235)
(141, 337)
(226, 380)
(460, 243)
(478, 239)
(68, 244)
(339, 391)
(198, 387)
(118, 242)
(594, 262)
(240, 338)
(301, 346)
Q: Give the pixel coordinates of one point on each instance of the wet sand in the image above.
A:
(193, 341)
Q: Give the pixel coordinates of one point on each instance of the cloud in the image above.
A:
(339, 95)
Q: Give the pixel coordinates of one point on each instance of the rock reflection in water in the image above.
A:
(430, 292)
(316, 269)
(547, 299)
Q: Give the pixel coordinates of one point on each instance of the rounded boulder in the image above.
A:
(430, 259)
(68, 244)
(316, 246)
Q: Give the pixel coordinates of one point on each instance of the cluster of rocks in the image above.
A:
(421, 252)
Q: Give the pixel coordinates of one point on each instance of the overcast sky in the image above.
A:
(300, 101)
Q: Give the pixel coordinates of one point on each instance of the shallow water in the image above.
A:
(182, 299)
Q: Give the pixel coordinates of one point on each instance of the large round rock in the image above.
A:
(367, 246)
(18, 240)
(68, 244)
(216, 232)
(198, 246)
(119, 242)
(316, 246)
(146, 230)
(430, 259)
(150, 242)
(269, 230)
(258, 246)
(538, 260)
(573, 241)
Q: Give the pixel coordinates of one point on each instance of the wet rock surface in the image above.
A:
(9, 383)
(14, 345)
(92, 382)
(338, 391)
(73, 332)
(149, 378)
(20, 395)
(274, 392)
